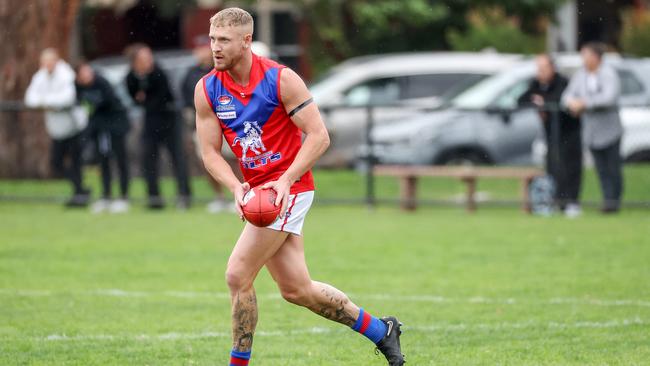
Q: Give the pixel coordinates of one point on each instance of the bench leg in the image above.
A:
(525, 197)
(471, 193)
(408, 188)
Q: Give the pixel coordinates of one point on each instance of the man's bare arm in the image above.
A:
(208, 129)
(294, 92)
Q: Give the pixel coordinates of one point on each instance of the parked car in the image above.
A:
(483, 125)
(399, 86)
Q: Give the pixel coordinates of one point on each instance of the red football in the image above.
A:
(259, 207)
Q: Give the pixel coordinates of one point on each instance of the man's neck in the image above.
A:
(241, 72)
(593, 70)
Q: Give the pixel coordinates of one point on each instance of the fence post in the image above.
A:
(370, 159)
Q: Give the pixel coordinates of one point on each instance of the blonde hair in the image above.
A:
(233, 17)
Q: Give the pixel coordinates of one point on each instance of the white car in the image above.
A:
(483, 125)
(399, 85)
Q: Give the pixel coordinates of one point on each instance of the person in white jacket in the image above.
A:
(52, 89)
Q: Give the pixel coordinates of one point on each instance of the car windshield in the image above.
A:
(329, 81)
(468, 82)
(482, 94)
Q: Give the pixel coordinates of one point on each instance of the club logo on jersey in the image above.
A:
(252, 141)
(224, 99)
(225, 108)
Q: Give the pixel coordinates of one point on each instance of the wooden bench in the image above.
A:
(408, 176)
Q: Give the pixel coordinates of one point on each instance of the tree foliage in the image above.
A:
(491, 28)
(343, 29)
(635, 38)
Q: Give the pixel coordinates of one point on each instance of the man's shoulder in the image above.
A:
(561, 80)
(269, 63)
(206, 74)
(102, 81)
(608, 70)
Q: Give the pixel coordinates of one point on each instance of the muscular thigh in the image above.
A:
(254, 248)
(288, 267)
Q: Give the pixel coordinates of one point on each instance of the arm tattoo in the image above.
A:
(300, 107)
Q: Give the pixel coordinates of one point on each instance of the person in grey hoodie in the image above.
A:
(52, 89)
(593, 95)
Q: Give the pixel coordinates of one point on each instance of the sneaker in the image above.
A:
(609, 210)
(100, 206)
(120, 206)
(183, 203)
(216, 206)
(156, 203)
(79, 200)
(572, 210)
(390, 346)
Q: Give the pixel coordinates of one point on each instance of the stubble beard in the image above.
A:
(227, 63)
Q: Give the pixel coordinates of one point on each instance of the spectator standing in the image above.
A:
(52, 89)
(108, 126)
(593, 95)
(562, 132)
(148, 86)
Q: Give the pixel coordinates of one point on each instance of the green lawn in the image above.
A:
(494, 287)
(350, 186)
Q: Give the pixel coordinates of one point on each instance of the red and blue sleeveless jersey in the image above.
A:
(255, 124)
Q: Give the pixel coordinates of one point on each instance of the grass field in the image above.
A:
(495, 287)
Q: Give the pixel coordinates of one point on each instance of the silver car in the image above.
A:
(484, 126)
(399, 85)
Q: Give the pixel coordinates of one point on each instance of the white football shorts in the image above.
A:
(294, 218)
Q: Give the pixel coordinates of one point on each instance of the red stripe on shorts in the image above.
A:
(286, 214)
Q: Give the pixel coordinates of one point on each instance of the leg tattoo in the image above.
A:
(333, 304)
(244, 320)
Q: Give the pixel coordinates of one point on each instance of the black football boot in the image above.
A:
(389, 346)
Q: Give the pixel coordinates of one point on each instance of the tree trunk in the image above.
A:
(26, 28)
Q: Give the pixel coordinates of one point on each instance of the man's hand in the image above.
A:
(576, 106)
(537, 100)
(282, 187)
(140, 96)
(239, 192)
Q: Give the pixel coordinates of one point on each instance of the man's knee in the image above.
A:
(298, 295)
(237, 280)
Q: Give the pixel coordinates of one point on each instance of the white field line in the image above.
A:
(434, 299)
(434, 328)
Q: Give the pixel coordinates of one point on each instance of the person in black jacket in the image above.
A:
(107, 126)
(148, 86)
(562, 130)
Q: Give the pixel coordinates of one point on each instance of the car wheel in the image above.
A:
(639, 157)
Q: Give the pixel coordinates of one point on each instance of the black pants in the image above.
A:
(564, 164)
(172, 139)
(610, 173)
(113, 146)
(70, 148)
